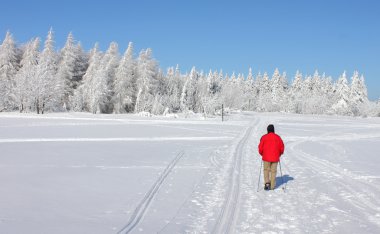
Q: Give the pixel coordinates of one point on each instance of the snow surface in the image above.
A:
(84, 173)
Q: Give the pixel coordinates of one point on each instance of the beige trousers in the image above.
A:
(270, 170)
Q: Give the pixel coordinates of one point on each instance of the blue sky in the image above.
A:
(329, 35)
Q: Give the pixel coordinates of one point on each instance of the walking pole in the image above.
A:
(283, 188)
(258, 183)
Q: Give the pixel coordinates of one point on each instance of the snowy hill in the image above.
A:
(83, 173)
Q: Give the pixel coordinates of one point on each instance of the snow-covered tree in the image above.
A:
(254, 101)
(107, 71)
(174, 87)
(8, 68)
(66, 67)
(98, 81)
(295, 94)
(103, 83)
(160, 93)
(374, 109)
(189, 91)
(91, 82)
(249, 91)
(227, 91)
(26, 75)
(209, 90)
(326, 93)
(45, 86)
(358, 89)
(279, 90)
(231, 92)
(358, 94)
(125, 83)
(321, 94)
(327, 87)
(265, 93)
(316, 84)
(146, 82)
(77, 102)
(204, 96)
(342, 96)
(82, 62)
(313, 98)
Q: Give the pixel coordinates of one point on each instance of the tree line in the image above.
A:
(71, 79)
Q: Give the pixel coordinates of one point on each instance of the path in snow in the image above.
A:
(110, 139)
(228, 215)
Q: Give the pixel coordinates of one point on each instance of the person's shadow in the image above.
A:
(283, 180)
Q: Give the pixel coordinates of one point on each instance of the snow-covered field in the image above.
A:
(83, 173)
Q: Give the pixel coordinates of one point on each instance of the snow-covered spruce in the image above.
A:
(74, 80)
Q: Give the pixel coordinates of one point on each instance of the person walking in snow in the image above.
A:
(271, 148)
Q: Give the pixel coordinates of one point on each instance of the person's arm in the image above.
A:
(282, 146)
(261, 146)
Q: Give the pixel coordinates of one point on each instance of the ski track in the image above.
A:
(107, 120)
(349, 194)
(143, 206)
(266, 211)
(217, 198)
(228, 216)
(102, 167)
(133, 139)
(203, 130)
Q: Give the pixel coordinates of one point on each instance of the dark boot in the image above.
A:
(267, 186)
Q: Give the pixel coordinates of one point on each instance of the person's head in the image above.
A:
(270, 128)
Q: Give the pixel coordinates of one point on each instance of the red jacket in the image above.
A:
(271, 147)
